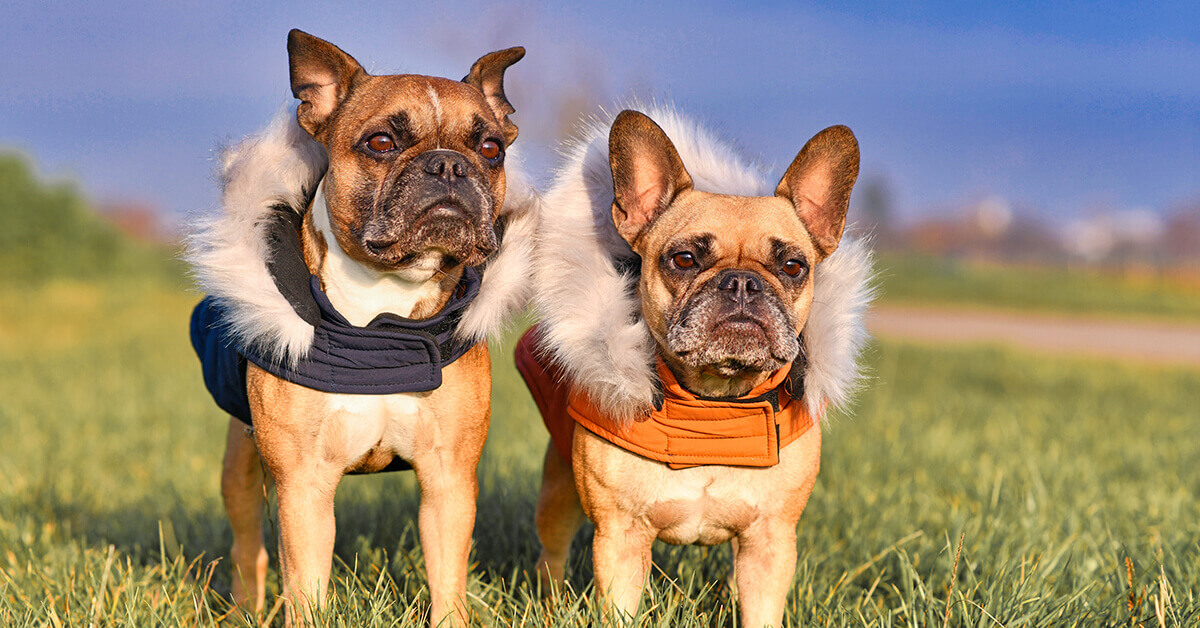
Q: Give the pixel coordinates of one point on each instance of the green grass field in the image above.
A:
(912, 279)
(1072, 483)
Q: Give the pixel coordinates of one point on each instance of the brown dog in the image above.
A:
(414, 184)
(726, 286)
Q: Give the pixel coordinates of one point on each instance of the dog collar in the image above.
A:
(687, 430)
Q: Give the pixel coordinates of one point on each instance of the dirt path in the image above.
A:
(1149, 341)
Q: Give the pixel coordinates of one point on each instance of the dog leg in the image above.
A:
(558, 516)
(306, 533)
(621, 558)
(446, 521)
(765, 564)
(242, 486)
(733, 545)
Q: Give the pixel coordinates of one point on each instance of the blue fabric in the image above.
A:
(389, 355)
(224, 367)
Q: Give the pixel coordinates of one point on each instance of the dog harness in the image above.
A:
(687, 430)
(389, 355)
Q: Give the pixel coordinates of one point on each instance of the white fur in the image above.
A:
(836, 331)
(391, 422)
(280, 165)
(591, 314)
(360, 293)
(508, 277)
(227, 250)
(437, 108)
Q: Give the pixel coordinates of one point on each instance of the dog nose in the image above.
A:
(741, 286)
(445, 164)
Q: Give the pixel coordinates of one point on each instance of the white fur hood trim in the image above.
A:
(283, 165)
(591, 314)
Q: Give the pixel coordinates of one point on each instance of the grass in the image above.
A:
(1071, 483)
(916, 280)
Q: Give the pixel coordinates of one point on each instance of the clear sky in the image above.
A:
(1061, 109)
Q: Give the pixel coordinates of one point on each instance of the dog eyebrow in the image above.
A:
(401, 129)
(781, 250)
(479, 127)
(702, 244)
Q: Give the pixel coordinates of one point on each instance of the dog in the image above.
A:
(673, 378)
(364, 220)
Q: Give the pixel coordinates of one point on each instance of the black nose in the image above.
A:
(445, 164)
(741, 286)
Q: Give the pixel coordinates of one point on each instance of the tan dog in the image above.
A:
(414, 185)
(726, 285)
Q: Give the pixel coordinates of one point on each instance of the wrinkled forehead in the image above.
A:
(736, 225)
(426, 104)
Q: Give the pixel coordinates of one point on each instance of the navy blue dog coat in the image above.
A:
(391, 354)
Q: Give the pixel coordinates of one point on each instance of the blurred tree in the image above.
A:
(49, 230)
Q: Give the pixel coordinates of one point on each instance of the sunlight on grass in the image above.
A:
(1054, 472)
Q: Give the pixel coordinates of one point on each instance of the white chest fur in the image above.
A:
(387, 422)
(362, 293)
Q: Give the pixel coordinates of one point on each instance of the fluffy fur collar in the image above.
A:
(591, 314)
(283, 165)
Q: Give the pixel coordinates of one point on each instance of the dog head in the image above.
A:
(726, 281)
(416, 163)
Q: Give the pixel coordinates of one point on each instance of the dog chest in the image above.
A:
(387, 422)
(698, 505)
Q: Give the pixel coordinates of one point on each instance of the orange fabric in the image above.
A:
(549, 390)
(687, 432)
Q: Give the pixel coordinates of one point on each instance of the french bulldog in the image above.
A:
(725, 288)
(409, 201)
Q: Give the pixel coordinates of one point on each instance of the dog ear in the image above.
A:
(647, 173)
(487, 76)
(321, 78)
(818, 184)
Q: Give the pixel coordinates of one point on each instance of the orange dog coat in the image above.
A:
(688, 431)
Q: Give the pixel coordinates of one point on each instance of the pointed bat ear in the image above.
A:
(321, 78)
(647, 173)
(487, 76)
(818, 184)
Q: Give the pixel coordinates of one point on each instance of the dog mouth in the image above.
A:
(443, 210)
(733, 346)
(742, 326)
(443, 226)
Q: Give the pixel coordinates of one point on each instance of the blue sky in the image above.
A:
(1062, 109)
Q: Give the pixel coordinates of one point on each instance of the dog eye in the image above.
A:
(684, 260)
(490, 149)
(381, 143)
(793, 267)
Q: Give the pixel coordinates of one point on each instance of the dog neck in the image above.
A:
(712, 385)
(361, 293)
(705, 383)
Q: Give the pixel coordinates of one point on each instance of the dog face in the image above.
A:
(416, 163)
(726, 281)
